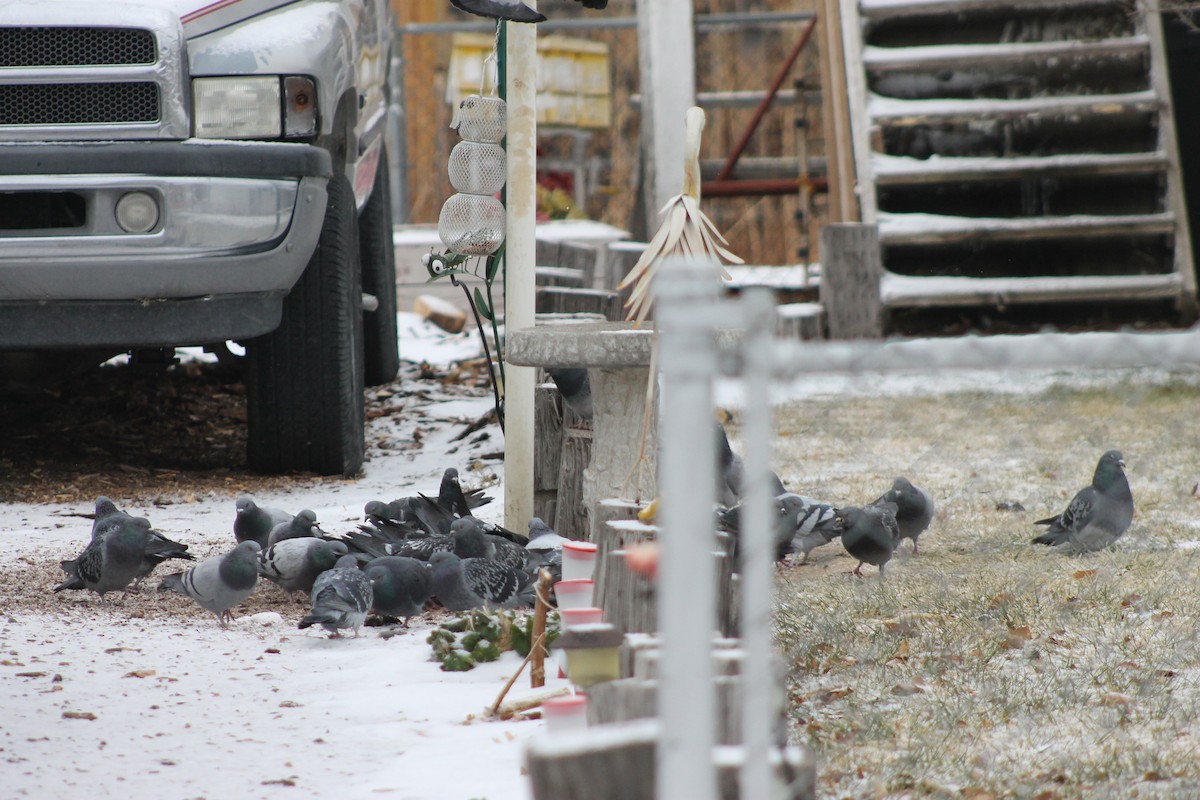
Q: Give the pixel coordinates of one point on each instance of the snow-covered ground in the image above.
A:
(123, 700)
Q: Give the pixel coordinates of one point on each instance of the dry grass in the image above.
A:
(988, 666)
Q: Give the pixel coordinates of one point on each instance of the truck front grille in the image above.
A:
(78, 103)
(91, 75)
(75, 46)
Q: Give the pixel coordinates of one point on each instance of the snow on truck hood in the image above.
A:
(198, 16)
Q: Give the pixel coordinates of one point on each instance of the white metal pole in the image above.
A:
(757, 548)
(667, 66)
(521, 193)
(687, 572)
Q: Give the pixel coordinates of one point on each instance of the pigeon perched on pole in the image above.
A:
(512, 10)
(869, 534)
(914, 508)
(400, 586)
(220, 583)
(294, 564)
(255, 522)
(1098, 514)
(123, 549)
(341, 598)
(462, 584)
(297, 527)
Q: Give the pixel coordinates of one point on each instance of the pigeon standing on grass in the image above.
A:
(869, 534)
(400, 587)
(255, 522)
(914, 508)
(294, 564)
(297, 527)
(220, 583)
(1098, 515)
(814, 527)
(341, 598)
(462, 584)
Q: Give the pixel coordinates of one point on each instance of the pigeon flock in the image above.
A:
(1097, 516)
(418, 549)
(409, 552)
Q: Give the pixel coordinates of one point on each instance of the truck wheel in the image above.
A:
(304, 385)
(381, 349)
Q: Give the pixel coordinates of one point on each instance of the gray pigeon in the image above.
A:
(869, 534)
(462, 584)
(256, 522)
(731, 472)
(471, 540)
(400, 586)
(814, 526)
(220, 583)
(341, 598)
(510, 10)
(1098, 515)
(575, 387)
(294, 564)
(123, 549)
(451, 495)
(914, 508)
(297, 527)
(106, 509)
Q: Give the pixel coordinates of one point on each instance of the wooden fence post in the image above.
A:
(851, 269)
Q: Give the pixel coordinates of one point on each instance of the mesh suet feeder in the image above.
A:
(472, 221)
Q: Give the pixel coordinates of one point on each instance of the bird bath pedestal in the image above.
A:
(617, 356)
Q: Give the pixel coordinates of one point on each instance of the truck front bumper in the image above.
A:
(236, 226)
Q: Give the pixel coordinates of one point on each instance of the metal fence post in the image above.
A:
(687, 572)
(756, 547)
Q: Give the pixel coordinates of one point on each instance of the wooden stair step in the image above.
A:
(938, 57)
(906, 171)
(888, 111)
(889, 9)
(907, 291)
(933, 229)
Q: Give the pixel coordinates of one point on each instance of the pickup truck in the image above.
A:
(193, 172)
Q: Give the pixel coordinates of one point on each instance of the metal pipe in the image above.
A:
(765, 105)
(762, 186)
(603, 23)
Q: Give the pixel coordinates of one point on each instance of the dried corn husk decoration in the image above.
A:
(685, 230)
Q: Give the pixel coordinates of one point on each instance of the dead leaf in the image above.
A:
(976, 793)
(1114, 699)
(78, 715)
(1080, 574)
(906, 689)
(31, 674)
(1017, 637)
(139, 673)
(290, 704)
(1002, 599)
(829, 695)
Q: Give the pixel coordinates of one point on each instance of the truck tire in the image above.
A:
(304, 384)
(380, 346)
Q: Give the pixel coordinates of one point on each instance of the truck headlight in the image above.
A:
(254, 107)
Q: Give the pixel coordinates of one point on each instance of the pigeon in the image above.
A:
(462, 584)
(814, 527)
(472, 540)
(451, 495)
(869, 533)
(106, 509)
(400, 586)
(575, 387)
(1098, 515)
(544, 550)
(914, 508)
(510, 10)
(297, 527)
(731, 472)
(219, 583)
(122, 550)
(255, 522)
(294, 564)
(341, 598)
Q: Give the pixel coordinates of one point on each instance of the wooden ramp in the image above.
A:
(1016, 152)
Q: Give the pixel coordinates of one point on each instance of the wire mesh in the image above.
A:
(477, 168)
(472, 224)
